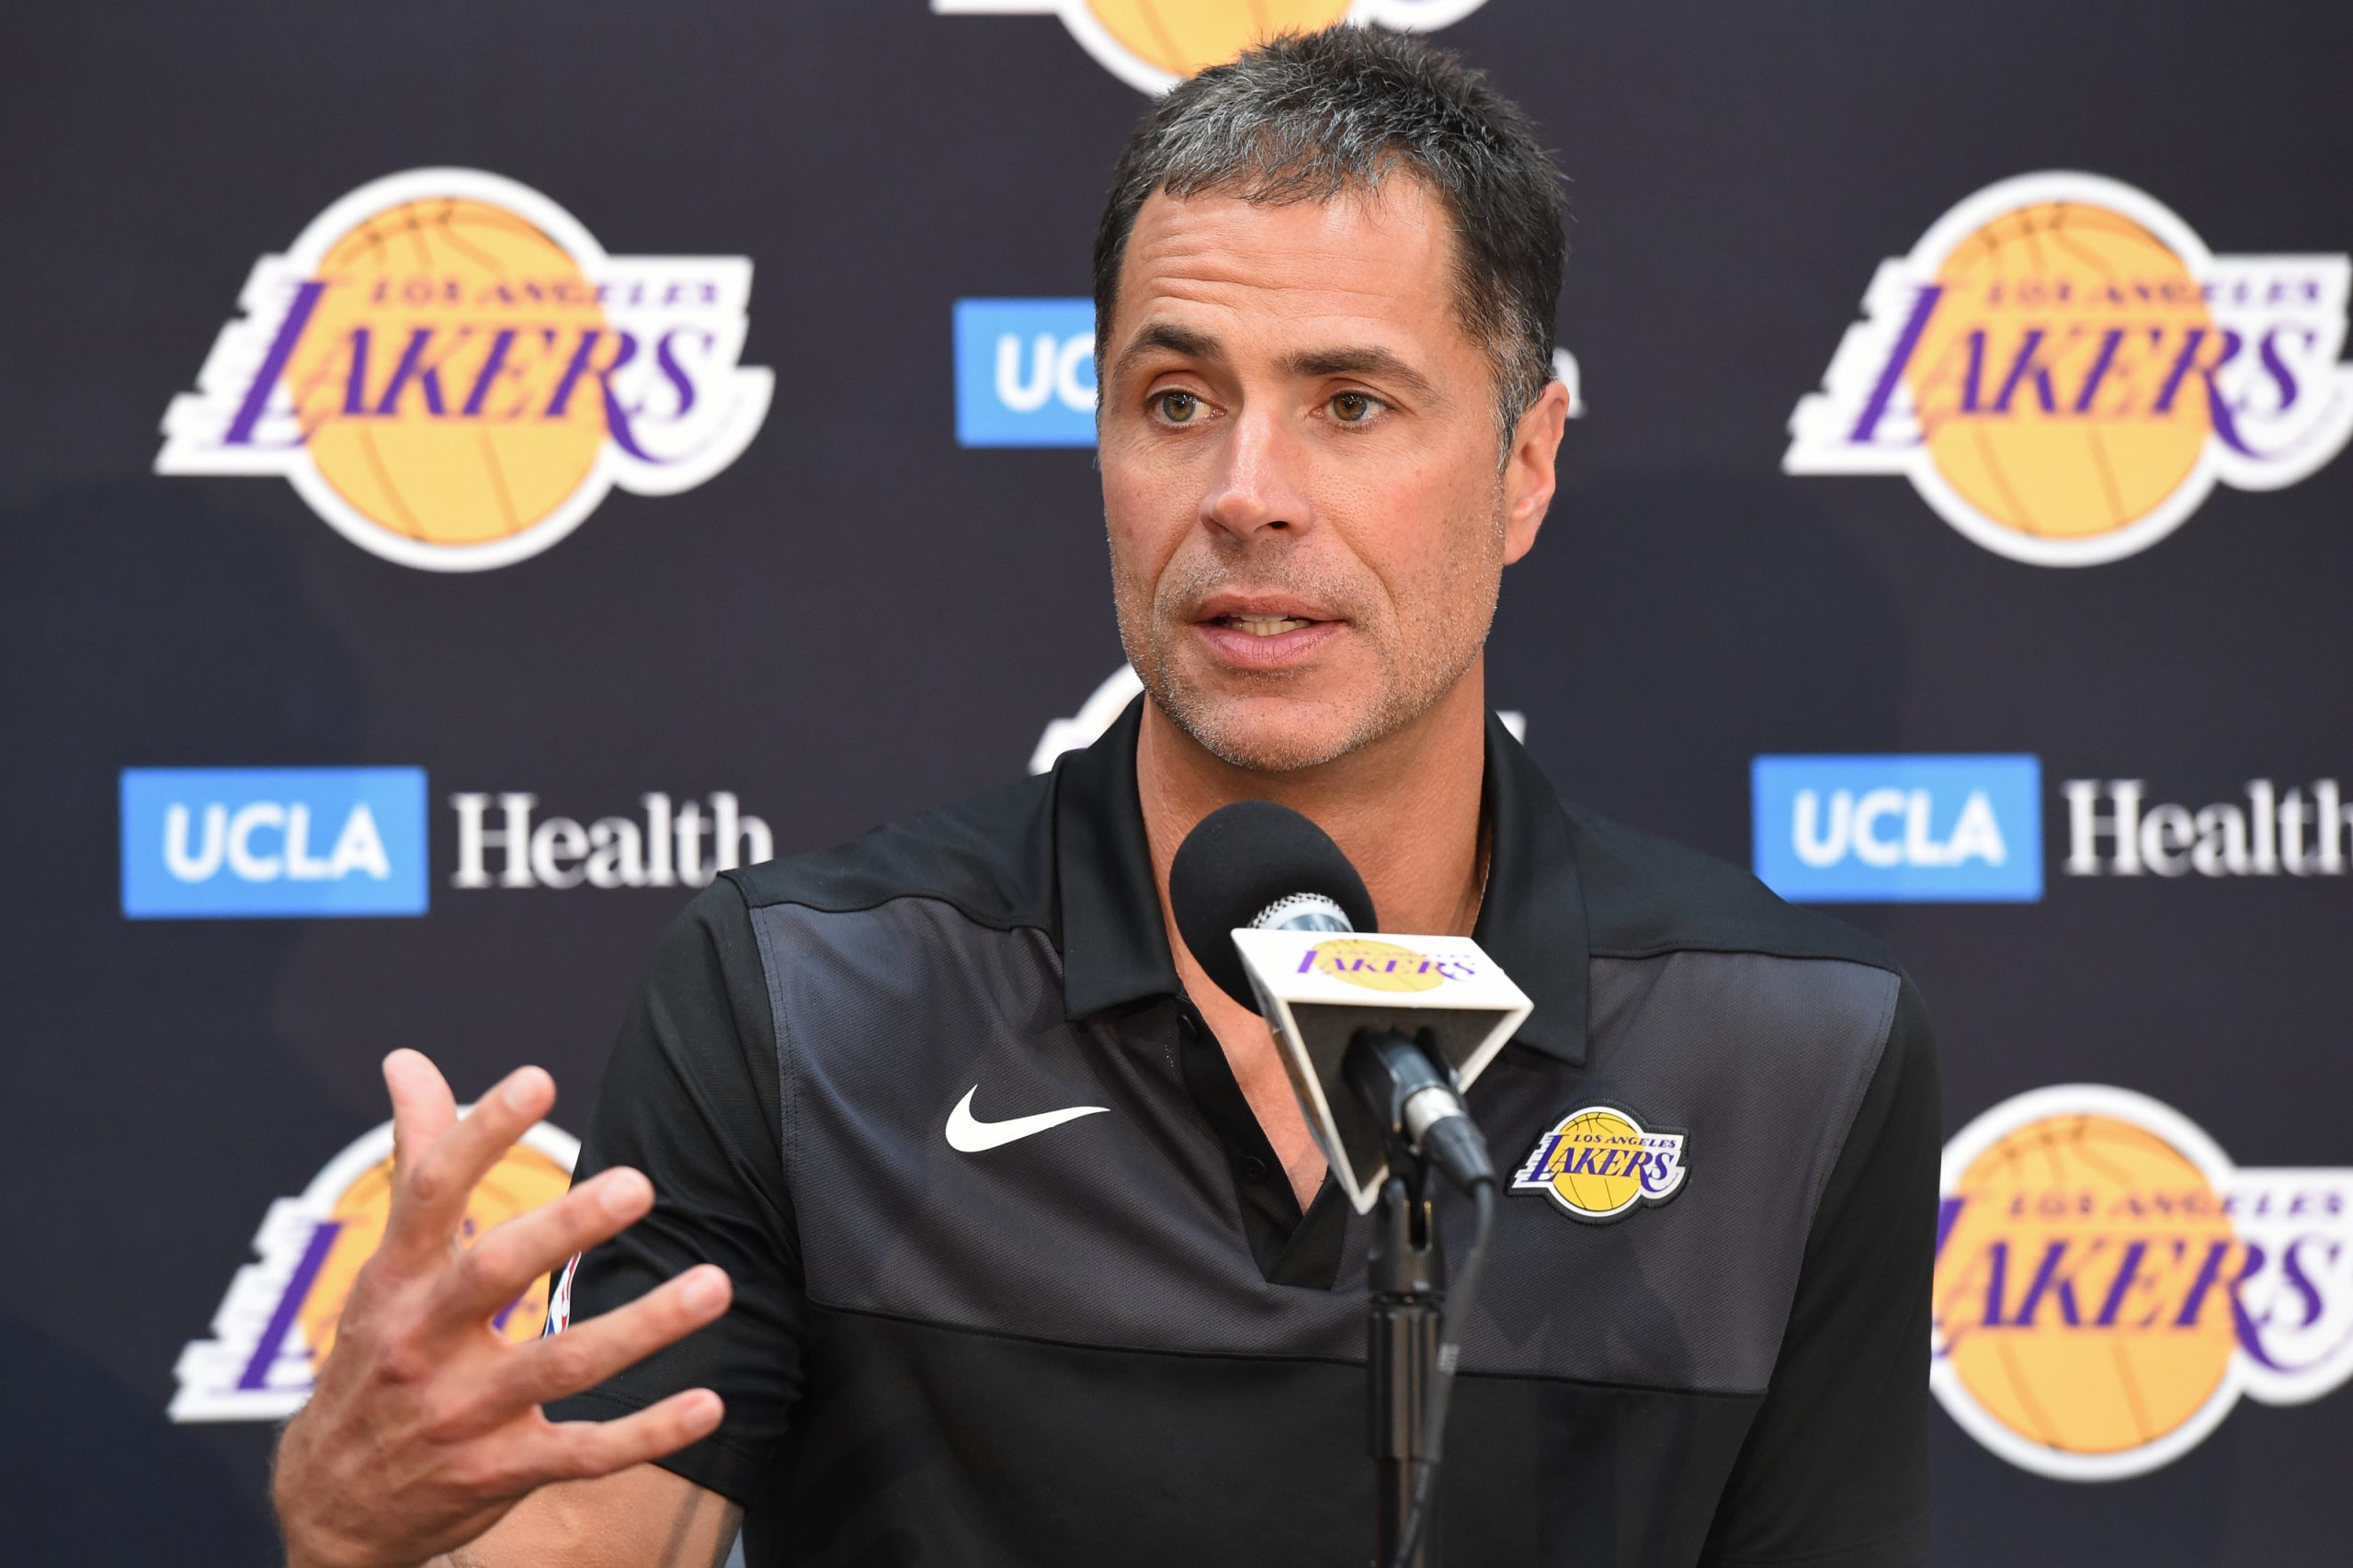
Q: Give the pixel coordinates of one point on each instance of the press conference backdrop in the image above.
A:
(472, 471)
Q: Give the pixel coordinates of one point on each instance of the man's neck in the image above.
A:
(1404, 810)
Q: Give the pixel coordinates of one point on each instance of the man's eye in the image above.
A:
(1354, 408)
(1178, 407)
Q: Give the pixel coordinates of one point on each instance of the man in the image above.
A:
(1031, 1258)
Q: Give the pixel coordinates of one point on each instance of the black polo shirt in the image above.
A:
(1117, 1340)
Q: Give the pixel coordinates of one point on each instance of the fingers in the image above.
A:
(498, 1267)
(577, 1450)
(429, 1197)
(590, 1351)
(423, 1107)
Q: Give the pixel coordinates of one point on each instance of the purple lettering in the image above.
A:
(2210, 1273)
(413, 367)
(1890, 376)
(668, 362)
(289, 1305)
(496, 361)
(617, 417)
(2283, 375)
(1948, 1215)
(273, 365)
(2109, 341)
(2127, 1275)
(2183, 363)
(1972, 380)
(2292, 1266)
(355, 386)
(1997, 1270)
(583, 359)
(2060, 1287)
(2028, 363)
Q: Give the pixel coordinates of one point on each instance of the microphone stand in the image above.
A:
(1407, 1272)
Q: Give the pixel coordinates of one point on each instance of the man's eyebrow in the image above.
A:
(1378, 364)
(1313, 364)
(1167, 336)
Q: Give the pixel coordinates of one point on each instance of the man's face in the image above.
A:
(1307, 522)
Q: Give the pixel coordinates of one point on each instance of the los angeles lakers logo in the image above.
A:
(1383, 966)
(2108, 1284)
(2064, 371)
(1154, 44)
(451, 372)
(278, 1321)
(1599, 1164)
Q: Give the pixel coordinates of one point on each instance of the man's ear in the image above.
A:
(1529, 472)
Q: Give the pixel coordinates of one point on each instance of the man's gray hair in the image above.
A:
(1308, 116)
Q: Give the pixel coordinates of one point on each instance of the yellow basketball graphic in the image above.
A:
(523, 1179)
(442, 385)
(1377, 966)
(1182, 37)
(453, 373)
(1599, 1162)
(2068, 1291)
(2043, 381)
(1589, 1192)
(2065, 372)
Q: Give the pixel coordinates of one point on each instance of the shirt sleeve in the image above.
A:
(1834, 1471)
(691, 1098)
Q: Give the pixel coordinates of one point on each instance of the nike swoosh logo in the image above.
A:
(969, 1135)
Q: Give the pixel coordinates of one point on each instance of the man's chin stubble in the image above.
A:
(1210, 723)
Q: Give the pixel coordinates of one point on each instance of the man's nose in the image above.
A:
(1258, 487)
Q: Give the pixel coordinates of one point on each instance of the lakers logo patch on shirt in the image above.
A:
(1599, 1163)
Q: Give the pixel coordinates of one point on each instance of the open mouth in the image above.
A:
(1244, 635)
(1262, 625)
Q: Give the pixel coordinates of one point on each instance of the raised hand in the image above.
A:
(425, 1427)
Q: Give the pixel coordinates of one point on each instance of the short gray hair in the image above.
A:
(1308, 117)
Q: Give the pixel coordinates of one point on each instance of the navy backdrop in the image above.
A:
(821, 606)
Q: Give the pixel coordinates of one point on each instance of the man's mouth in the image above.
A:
(1263, 625)
(1264, 633)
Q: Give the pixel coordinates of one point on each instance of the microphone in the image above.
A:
(1380, 1033)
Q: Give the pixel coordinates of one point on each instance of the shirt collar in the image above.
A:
(1114, 946)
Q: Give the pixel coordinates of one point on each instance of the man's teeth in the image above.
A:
(1266, 625)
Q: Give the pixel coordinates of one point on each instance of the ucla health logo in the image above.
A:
(1154, 44)
(2064, 371)
(1898, 829)
(273, 841)
(451, 372)
(1024, 373)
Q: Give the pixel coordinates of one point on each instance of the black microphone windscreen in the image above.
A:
(1240, 859)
